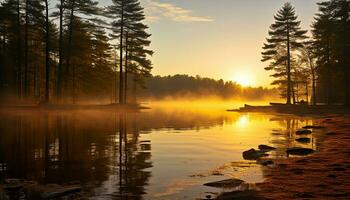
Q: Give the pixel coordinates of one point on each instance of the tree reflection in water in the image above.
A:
(69, 148)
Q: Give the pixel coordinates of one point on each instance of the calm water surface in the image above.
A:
(167, 152)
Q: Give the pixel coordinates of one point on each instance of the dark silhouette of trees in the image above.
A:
(285, 36)
(331, 31)
(184, 86)
(129, 28)
(64, 52)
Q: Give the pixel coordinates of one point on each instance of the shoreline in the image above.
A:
(294, 109)
(68, 107)
(322, 175)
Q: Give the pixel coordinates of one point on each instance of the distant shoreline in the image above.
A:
(67, 107)
(295, 109)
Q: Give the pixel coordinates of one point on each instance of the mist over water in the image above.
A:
(166, 152)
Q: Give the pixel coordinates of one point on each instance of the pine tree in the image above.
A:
(133, 38)
(34, 19)
(324, 38)
(341, 15)
(285, 36)
(308, 57)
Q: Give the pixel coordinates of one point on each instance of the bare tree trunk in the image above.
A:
(70, 34)
(347, 85)
(121, 87)
(60, 57)
(116, 76)
(19, 47)
(314, 101)
(329, 81)
(47, 54)
(307, 91)
(26, 50)
(134, 88)
(126, 69)
(289, 81)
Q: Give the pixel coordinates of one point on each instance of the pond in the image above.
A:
(167, 152)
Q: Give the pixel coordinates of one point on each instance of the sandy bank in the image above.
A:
(323, 175)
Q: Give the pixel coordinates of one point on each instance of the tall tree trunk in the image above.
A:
(74, 92)
(347, 85)
(313, 73)
(289, 84)
(2, 52)
(47, 54)
(121, 87)
(307, 91)
(116, 76)
(134, 88)
(26, 49)
(19, 55)
(70, 34)
(126, 69)
(329, 81)
(60, 57)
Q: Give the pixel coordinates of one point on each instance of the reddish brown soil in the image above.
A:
(323, 175)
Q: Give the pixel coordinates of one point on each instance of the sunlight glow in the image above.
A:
(243, 121)
(244, 79)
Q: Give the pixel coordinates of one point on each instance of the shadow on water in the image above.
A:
(156, 154)
(99, 152)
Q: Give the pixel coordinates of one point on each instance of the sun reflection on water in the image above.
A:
(243, 121)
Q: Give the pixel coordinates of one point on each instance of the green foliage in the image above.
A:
(285, 36)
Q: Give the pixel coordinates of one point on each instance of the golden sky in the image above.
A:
(221, 39)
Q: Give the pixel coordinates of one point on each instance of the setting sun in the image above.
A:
(243, 79)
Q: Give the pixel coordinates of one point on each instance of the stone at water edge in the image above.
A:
(314, 127)
(228, 183)
(299, 151)
(253, 154)
(265, 162)
(303, 140)
(303, 132)
(263, 147)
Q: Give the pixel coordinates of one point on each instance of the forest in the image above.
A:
(73, 50)
(190, 87)
(311, 66)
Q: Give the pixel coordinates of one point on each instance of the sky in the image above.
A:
(220, 39)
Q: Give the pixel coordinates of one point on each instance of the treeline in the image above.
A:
(184, 86)
(311, 69)
(73, 50)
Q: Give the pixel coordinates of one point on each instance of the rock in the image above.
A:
(52, 191)
(253, 154)
(217, 173)
(13, 185)
(266, 162)
(61, 192)
(266, 148)
(303, 132)
(299, 151)
(228, 183)
(303, 140)
(314, 127)
(241, 195)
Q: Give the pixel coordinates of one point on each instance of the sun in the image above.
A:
(244, 79)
